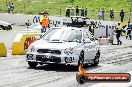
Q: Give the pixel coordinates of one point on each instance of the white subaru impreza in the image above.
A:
(66, 45)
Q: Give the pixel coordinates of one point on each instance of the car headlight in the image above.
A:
(31, 49)
(68, 51)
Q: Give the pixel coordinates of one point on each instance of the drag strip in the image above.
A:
(14, 72)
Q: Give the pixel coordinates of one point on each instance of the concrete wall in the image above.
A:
(18, 19)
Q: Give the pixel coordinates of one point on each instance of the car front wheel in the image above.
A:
(32, 64)
(81, 58)
(96, 60)
(2, 27)
(81, 79)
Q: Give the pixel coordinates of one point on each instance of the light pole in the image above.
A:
(130, 11)
(6, 2)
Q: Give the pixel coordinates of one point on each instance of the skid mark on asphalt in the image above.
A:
(43, 74)
(38, 76)
(117, 56)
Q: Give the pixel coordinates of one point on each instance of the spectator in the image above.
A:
(102, 13)
(86, 12)
(122, 15)
(77, 11)
(82, 11)
(129, 29)
(12, 8)
(99, 14)
(111, 14)
(9, 7)
(44, 22)
(72, 10)
(118, 34)
(68, 11)
(27, 24)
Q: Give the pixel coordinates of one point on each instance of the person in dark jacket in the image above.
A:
(118, 34)
(82, 11)
(9, 7)
(112, 14)
(85, 12)
(27, 24)
(68, 11)
(129, 29)
(77, 11)
(102, 13)
(122, 15)
(12, 8)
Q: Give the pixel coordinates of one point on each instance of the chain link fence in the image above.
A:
(37, 7)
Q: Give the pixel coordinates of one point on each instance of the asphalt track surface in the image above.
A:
(14, 70)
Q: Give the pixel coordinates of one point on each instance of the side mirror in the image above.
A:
(87, 41)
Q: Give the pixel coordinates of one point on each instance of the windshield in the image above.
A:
(63, 35)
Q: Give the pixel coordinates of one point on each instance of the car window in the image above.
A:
(54, 35)
(70, 35)
(73, 36)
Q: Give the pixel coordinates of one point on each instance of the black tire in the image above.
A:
(81, 58)
(6, 28)
(2, 27)
(81, 79)
(32, 64)
(10, 28)
(96, 60)
(41, 63)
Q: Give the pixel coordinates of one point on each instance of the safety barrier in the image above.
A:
(104, 40)
(22, 42)
(3, 50)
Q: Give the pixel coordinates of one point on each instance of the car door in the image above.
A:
(89, 47)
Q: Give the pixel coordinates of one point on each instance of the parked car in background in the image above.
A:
(5, 25)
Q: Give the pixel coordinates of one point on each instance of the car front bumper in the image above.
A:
(50, 58)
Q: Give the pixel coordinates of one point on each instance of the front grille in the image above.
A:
(49, 51)
(43, 58)
(55, 59)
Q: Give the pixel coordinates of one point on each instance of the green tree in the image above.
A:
(71, 1)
